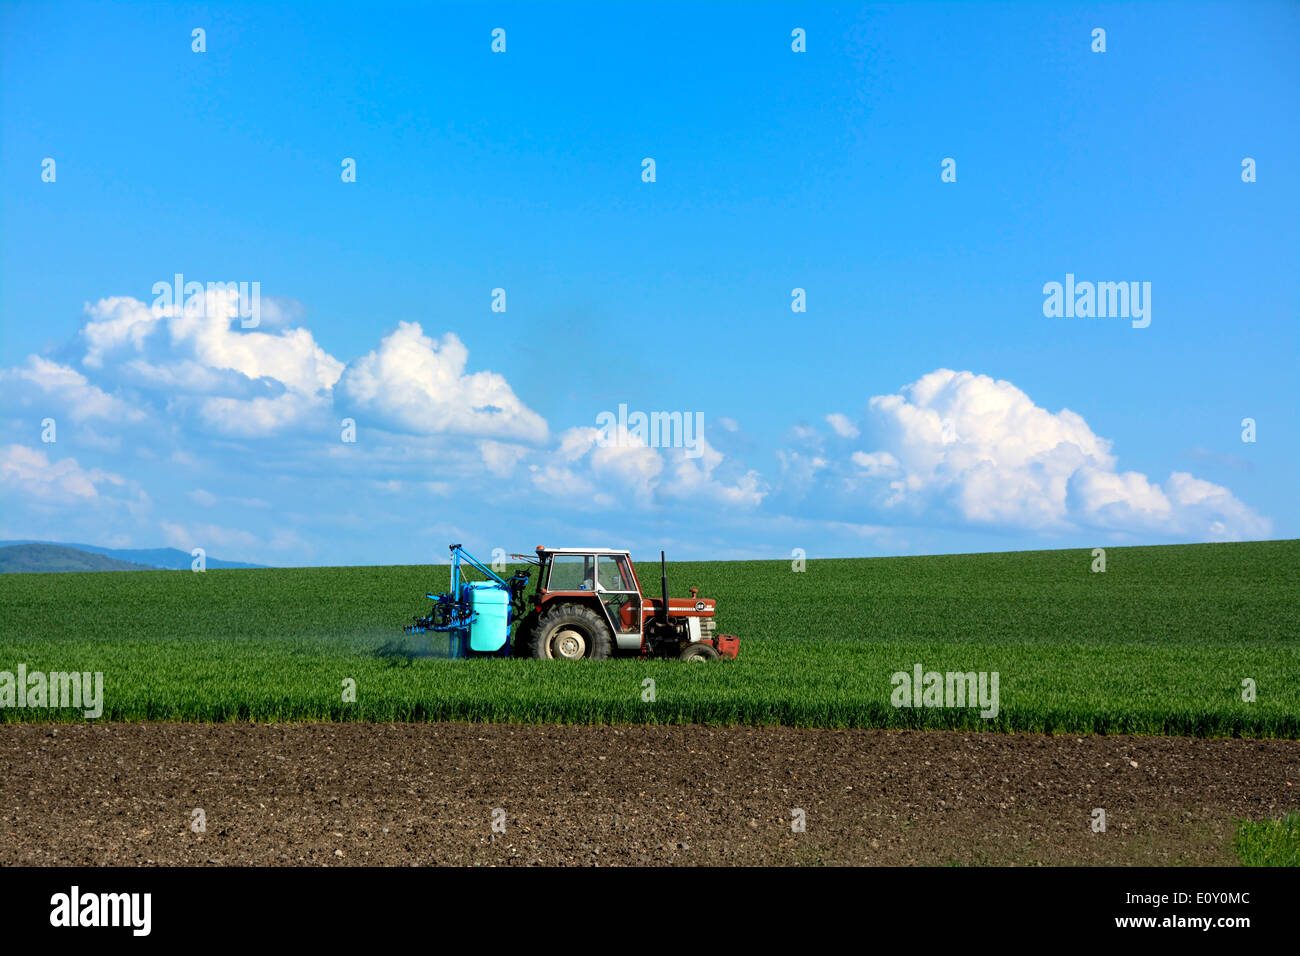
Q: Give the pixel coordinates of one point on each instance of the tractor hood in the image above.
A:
(683, 606)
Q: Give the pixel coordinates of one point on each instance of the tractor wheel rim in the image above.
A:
(695, 659)
(570, 645)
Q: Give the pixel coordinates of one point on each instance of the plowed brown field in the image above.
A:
(402, 794)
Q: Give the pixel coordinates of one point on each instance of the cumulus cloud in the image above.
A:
(196, 359)
(624, 469)
(412, 383)
(64, 389)
(247, 382)
(581, 466)
(1184, 504)
(30, 473)
(983, 449)
(694, 477)
(114, 324)
(289, 356)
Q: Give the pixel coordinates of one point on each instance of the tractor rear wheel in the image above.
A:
(570, 632)
(699, 651)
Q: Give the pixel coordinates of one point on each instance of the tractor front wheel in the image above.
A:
(571, 632)
(699, 651)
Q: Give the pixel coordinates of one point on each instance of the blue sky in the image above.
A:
(993, 427)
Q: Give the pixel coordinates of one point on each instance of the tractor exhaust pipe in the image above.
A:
(663, 580)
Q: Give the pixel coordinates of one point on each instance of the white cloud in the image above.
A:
(258, 417)
(560, 482)
(693, 478)
(257, 382)
(67, 388)
(113, 323)
(586, 473)
(625, 461)
(289, 356)
(179, 376)
(1185, 505)
(880, 464)
(984, 449)
(187, 537)
(31, 474)
(625, 470)
(501, 458)
(415, 384)
(841, 425)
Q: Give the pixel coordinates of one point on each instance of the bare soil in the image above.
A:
(406, 794)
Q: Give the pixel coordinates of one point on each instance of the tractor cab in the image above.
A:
(600, 578)
(590, 603)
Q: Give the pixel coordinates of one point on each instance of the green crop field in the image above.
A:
(1270, 842)
(1163, 642)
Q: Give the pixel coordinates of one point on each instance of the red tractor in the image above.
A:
(588, 603)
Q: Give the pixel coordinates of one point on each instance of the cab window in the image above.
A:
(571, 572)
(613, 574)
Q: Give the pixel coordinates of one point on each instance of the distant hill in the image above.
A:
(30, 558)
(171, 559)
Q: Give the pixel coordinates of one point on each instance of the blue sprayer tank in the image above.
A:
(491, 623)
